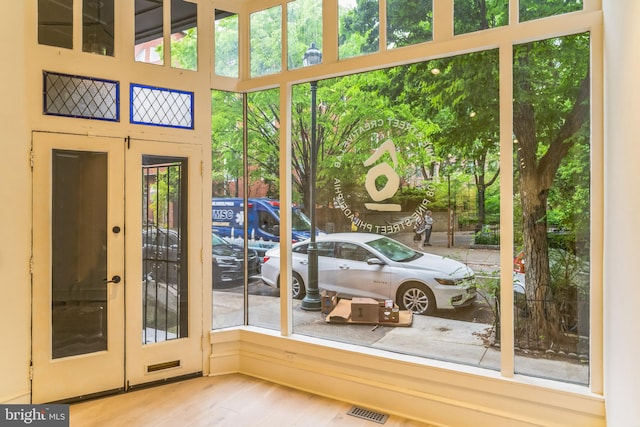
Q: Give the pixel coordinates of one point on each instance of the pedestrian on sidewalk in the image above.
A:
(428, 225)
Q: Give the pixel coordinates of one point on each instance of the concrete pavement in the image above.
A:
(436, 337)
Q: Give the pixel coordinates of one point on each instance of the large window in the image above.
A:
(410, 182)
(266, 42)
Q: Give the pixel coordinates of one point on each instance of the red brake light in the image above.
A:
(518, 263)
(265, 259)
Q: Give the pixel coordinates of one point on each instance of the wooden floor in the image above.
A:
(230, 400)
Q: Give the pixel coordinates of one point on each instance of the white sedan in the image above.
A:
(376, 266)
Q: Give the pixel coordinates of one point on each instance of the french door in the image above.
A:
(116, 279)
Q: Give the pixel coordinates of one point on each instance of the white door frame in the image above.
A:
(126, 361)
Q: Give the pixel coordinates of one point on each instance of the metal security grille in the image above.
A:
(161, 107)
(81, 97)
(164, 249)
(368, 415)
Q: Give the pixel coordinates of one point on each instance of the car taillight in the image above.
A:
(265, 259)
(518, 264)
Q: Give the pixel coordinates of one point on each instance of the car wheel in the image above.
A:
(297, 287)
(417, 298)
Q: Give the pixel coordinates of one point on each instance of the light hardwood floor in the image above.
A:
(231, 400)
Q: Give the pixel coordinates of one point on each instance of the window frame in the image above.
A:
(444, 43)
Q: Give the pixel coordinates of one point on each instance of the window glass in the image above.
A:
(326, 249)
(97, 27)
(149, 32)
(359, 27)
(385, 157)
(409, 22)
(184, 35)
(304, 28)
(227, 177)
(263, 159)
(55, 23)
(552, 204)
(475, 16)
(353, 252)
(226, 44)
(262, 205)
(266, 42)
(535, 9)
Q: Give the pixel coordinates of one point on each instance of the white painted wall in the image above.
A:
(622, 204)
(15, 197)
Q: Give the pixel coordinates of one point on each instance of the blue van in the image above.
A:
(263, 223)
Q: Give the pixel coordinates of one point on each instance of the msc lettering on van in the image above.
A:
(222, 215)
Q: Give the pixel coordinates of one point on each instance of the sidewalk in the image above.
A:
(436, 337)
(462, 250)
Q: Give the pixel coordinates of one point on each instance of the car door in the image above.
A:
(327, 270)
(359, 278)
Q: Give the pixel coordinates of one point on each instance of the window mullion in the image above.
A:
(506, 211)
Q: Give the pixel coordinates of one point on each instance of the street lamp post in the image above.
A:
(311, 300)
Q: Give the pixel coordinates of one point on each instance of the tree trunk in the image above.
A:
(540, 300)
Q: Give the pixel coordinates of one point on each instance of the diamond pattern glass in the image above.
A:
(82, 97)
(161, 107)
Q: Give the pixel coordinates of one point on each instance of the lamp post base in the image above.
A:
(311, 301)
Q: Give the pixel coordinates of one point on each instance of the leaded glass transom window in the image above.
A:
(82, 97)
(161, 107)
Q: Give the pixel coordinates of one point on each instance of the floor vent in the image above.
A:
(366, 414)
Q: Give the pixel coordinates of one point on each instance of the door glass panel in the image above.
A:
(164, 249)
(79, 253)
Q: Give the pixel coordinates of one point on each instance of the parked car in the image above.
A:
(161, 253)
(379, 267)
(228, 262)
(567, 269)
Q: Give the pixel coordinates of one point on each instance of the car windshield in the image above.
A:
(218, 241)
(394, 250)
(299, 221)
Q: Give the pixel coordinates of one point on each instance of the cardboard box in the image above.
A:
(389, 314)
(329, 300)
(364, 310)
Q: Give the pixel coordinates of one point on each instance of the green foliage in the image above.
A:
(359, 29)
(487, 236)
(470, 16)
(226, 40)
(226, 140)
(266, 41)
(409, 22)
(184, 51)
(304, 27)
(536, 9)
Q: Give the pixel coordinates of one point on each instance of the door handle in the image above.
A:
(114, 279)
(343, 267)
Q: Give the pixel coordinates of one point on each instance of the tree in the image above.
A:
(460, 96)
(226, 141)
(550, 116)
